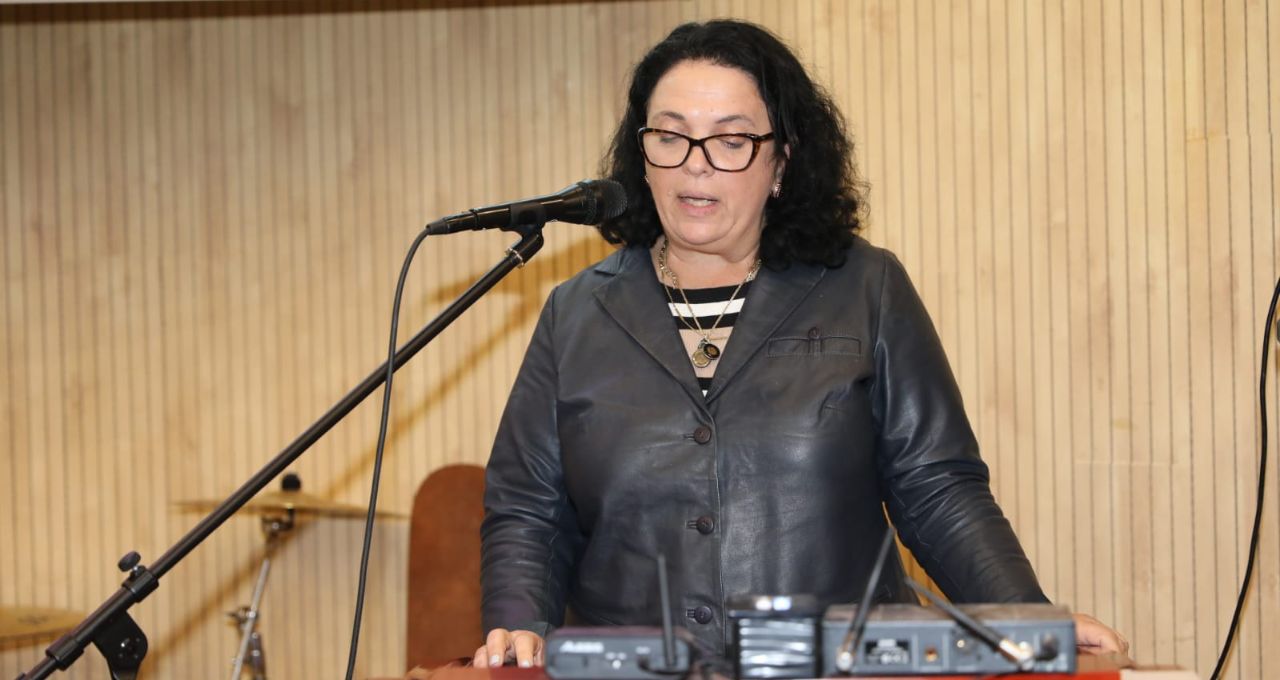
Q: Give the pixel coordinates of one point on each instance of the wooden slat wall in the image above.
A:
(204, 207)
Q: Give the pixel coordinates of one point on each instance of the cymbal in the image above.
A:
(24, 622)
(301, 502)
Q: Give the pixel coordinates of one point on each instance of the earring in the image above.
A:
(646, 179)
(777, 189)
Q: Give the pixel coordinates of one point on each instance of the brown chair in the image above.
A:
(444, 567)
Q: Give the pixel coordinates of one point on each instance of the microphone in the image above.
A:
(587, 202)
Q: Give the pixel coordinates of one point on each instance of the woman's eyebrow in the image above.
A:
(720, 121)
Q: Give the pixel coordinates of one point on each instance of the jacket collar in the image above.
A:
(634, 298)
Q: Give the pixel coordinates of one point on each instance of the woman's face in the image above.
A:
(702, 208)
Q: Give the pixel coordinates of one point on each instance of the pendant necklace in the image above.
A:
(707, 351)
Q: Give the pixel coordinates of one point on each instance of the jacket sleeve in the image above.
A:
(529, 536)
(935, 484)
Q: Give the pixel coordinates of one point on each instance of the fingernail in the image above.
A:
(525, 663)
(495, 660)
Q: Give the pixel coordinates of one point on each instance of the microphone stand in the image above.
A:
(111, 629)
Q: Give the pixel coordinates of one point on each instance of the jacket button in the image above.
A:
(814, 333)
(705, 525)
(701, 614)
(702, 435)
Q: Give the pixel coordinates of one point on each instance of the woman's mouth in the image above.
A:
(697, 201)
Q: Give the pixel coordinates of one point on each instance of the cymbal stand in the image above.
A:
(247, 618)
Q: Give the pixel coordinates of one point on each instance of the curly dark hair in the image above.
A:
(819, 210)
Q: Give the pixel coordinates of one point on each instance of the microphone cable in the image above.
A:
(377, 460)
(1267, 335)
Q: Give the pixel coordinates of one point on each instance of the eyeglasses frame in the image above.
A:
(756, 141)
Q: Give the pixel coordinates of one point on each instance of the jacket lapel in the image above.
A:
(634, 298)
(773, 297)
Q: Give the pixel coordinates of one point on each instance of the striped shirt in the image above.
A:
(706, 305)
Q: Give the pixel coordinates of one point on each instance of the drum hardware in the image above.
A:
(278, 510)
(247, 617)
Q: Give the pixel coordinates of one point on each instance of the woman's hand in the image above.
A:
(1095, 637)
(521, 647)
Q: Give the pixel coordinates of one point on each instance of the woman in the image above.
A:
(754, 438)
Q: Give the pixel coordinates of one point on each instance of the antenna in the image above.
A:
(1021, 656)
(848, 651)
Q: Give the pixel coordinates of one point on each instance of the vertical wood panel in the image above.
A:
(10, 344)
(1158, 599)
(1042, 148)
(1019, 286)
(204, 207)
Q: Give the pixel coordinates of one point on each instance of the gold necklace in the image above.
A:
(707, 351)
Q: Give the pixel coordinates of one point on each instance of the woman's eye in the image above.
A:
(733, 143)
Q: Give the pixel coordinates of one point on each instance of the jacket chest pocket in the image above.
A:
(826, 370)
(815, 343)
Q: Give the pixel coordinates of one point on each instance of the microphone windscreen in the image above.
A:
(611, 199)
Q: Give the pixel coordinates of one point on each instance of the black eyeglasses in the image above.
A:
(728, 153)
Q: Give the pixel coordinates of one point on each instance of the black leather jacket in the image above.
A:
(832, 397)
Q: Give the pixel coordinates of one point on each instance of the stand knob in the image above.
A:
(129, 561)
